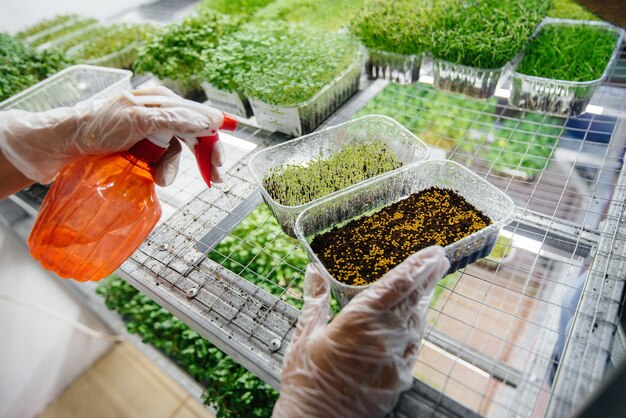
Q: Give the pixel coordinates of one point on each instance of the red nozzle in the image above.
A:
(229, 123)
(204, 151)
(204, 148)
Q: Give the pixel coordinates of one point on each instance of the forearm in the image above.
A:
(11, 179)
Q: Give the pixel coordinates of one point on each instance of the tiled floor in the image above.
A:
(123, 383)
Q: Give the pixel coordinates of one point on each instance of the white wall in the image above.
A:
(39, 355)
(17, 14)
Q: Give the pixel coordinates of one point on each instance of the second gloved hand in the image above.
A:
(360, 363)
(41, 144)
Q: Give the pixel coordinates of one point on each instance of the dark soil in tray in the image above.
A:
(364, 249)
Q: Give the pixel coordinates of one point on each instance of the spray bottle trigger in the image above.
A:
(204, 153)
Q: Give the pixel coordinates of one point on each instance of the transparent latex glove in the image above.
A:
(360, 363)
(41, 144)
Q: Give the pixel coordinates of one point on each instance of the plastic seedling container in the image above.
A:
(68, 87)
(122, 58)
(470, 81)
(404, 69)
(325, 143)
(392, 187)
(52, 29)
(231, 102)
(304, 117)
(560, 97)
(79, 31)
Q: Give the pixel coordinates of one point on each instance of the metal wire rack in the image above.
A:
(528, 334)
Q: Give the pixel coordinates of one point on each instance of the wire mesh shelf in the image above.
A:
(500, 339)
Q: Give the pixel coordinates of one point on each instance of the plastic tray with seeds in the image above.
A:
(377, 195)
(295, 174)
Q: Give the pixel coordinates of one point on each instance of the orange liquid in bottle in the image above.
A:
(96, 214)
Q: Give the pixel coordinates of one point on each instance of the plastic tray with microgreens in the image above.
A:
(327, 15)
(396, 35)
(563, 64)
(63, 30)
(44, 25)
(465, 212)
(293, 75)
(475, 41)
(297, 173)
(179, 52)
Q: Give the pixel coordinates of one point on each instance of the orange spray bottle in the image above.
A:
(101, 208)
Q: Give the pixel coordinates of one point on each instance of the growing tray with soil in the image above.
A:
(465, 215)
(563, 64)
(295, 174)
(364, 249)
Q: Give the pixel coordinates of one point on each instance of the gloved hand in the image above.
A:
(41, 144)
(360, 363)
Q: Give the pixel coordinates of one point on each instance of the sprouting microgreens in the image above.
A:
(569, 52)
(179, 51)
(569, 9)
(44, 25)
(402, 26)
(65, 30)
(279, 63)
(293, 185)
(21, 66)
(485, 33)
(328, 15)
(234, 7)
(230, 389)
(114, 38)
(85, 36)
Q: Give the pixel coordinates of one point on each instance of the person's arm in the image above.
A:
(34, 147)
(11, 179)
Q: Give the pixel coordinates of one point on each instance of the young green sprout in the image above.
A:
(294, 185)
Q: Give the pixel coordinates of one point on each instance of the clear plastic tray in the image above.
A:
(52, 29)
(470, 81)
(122, 58)
(68, 87)
(397, 185)
(233, 103)
(559, 97)
(404, 69)
(367, 129)
(303, 118)
(84, 25)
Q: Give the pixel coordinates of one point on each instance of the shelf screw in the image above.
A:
(274, 344)
(192, 292)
